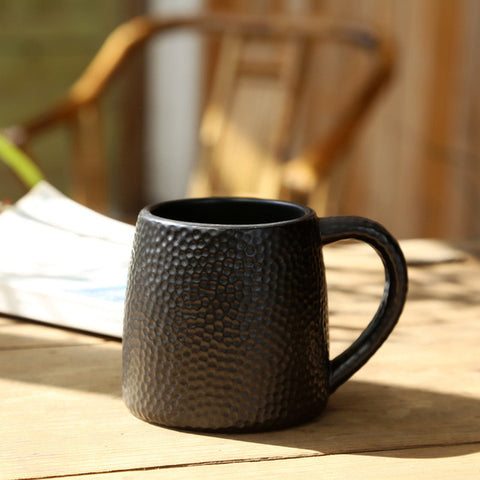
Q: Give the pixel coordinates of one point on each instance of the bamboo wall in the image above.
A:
(416, 164)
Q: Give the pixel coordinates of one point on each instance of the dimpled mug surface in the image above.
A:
(225, 323)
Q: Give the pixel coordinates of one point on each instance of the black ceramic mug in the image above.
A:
(226, 313)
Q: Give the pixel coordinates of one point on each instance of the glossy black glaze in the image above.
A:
(226, 317)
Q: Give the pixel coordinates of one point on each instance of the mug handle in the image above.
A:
(333, 229)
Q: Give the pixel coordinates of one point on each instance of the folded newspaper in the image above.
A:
(63, 263)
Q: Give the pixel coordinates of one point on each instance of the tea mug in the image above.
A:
(226, 324)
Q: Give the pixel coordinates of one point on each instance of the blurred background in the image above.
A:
(414, 164)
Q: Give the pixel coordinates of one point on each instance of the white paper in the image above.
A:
(62, 263)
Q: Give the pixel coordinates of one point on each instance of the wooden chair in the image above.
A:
(247, 127)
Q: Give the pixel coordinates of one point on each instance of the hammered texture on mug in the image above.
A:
(225, 330)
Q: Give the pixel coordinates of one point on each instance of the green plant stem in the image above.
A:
(20, 163)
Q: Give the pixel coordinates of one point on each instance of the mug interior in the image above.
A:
(229, 211)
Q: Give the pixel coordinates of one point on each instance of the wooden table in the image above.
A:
(412, 412)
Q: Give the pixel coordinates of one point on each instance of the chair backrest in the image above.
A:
(246, 130)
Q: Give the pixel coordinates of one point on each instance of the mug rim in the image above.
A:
(304, 212)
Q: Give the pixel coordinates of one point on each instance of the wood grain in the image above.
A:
(62, 412)
(18, 334)
(446, 462)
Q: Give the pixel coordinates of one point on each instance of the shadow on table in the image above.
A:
(385, 420)
(362, 417)
(61, 360)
